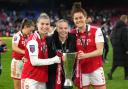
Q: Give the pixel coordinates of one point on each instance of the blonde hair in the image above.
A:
(61, 20)
(44, 16)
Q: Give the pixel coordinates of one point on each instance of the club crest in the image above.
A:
(15, 38)
(32, 48)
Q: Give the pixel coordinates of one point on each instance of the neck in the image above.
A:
(62, 39)
(41, 34)
(82, 29)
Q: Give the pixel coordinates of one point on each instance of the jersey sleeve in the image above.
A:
(15, 39)
(99, 36)
(32, 47)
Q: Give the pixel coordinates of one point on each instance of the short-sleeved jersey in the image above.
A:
(20, 40)
(37, 47)
(86, 42)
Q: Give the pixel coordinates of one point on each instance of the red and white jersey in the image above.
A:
(20, 40)
(88, 44)
(38, 48)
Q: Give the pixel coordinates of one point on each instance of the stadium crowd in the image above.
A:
(10, 19)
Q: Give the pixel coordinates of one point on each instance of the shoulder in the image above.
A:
(95, 28)
(70, 35)
(73, 31)
(32, 37)
(49, 38)
(16, 37)
(31, 43)
(17, 34)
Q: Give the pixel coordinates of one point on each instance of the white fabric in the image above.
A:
(16, 38)
(35, 61)
(94, 78)
(99, 36)
(32, 84)
(16, 68)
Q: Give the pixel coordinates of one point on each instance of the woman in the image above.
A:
(119, 39)
(35, 70)
(18, 47)
(62, 41)
(89, 46)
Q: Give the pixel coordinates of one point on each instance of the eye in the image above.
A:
(65, 28)
(47, 24)
(42, 23)
(80, 17)
(76, 18)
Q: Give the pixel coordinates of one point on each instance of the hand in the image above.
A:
(24, 59)
(81, 55)
(57, 59)
(59, 53)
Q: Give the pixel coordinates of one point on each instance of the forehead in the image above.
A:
(62, 24)
(78, 14)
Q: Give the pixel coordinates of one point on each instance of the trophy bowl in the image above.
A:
(68, 63)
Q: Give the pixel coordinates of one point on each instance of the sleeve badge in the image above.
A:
(32, 48)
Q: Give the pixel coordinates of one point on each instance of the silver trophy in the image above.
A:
(68, 63)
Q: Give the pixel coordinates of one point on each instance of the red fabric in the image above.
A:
(78, 79)
(88, 65)
(21, 45)
(38, 73)
(58, 82)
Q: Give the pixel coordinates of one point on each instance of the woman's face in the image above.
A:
(43, 25)
(62, 29)
(79, 19)
(28, 30)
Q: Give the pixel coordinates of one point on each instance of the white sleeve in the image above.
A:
(99, 36)
(32, 47)
(16, 39)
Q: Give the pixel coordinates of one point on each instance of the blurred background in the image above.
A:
(100, 11)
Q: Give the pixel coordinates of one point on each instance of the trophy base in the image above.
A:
(68, 84)
(68, 87)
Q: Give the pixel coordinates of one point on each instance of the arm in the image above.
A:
(99, 47)
(35, 61)
(17, 49)
(15, 42)
(97, 52)
(124, 38)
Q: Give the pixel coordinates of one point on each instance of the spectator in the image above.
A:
(119, 38)
(106, 45)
